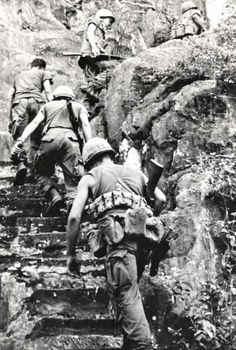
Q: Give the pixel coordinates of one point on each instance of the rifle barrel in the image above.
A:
(65, 53)
(101, 56)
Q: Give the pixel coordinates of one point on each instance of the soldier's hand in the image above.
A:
(73, 266)
(16, 149)
(95, 51)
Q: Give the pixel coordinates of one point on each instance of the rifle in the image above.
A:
(154, 171)
(75, 124)
(100, 57)
(159, 253)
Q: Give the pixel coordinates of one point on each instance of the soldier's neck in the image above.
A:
(105, 161)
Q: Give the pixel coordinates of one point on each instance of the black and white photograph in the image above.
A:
(118, 175)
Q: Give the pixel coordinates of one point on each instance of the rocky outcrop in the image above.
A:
(42, 28)
(178, 102)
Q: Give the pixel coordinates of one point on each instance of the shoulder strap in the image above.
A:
(123, 184)
(75, 123)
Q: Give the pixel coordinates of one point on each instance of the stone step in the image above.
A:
(25, 191)
(74, 342)
(85, 258)
(41, 240)
(51, 244)
(7, 235)
(7, 174)
(15, 207)
(83, 303)
(42, 245)
(41, 224)
(37, 220)
(28, 224)
(47, 239)
(47, 273)
(53, 326)
(6, 182)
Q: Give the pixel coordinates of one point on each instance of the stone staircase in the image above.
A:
(41, 305)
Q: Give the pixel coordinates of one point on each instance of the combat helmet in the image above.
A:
(63, 91)
(187, 5)
(95, 147)
(104, 13)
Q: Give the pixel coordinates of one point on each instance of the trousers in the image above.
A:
(98, 75)
(65, 152)
(23, 113)
(121, 269)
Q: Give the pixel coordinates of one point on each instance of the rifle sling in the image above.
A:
(74, 124)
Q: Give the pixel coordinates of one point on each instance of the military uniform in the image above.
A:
(121, 264)
(189, 23)
(60, 145)
(27, 101)
(98, 73)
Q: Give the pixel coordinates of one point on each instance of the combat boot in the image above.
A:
(20, 174)
(56, 203)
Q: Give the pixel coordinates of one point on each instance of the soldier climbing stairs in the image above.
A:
(42, 306)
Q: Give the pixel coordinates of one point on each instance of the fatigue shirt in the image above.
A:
(30, 84)
(186, 25)
(106, 178)
(57, 119)
(100, 36)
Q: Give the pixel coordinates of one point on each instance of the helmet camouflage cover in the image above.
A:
(187, 5)
(104, 13)
(95, 147)
(63, 91)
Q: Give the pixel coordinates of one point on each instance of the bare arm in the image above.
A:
(76, 212)
(91, 39)
(10, 97)
(87, 131)
(32, 126)
(48, 90)
(199, 22)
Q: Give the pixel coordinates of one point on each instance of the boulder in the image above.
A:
(178, 99)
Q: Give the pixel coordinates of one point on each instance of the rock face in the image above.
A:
(178, 100)
(42, 28)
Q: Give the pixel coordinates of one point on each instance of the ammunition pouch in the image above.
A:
(109, 230)
(112, 228)
(183, 30)
(97, 242)
(91, 234)
(117, 199)
(178, 31)
(121, 214)
(186, 25)
(138, 224)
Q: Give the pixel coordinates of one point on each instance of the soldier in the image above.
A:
(190, 22)
(97, 72)
(24, 101)
(117, 193)
(61, 144)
